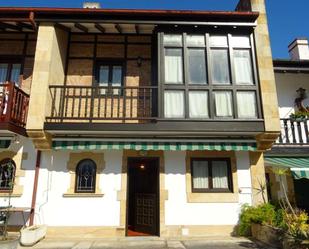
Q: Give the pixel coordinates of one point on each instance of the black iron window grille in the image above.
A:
(85, 176)
(7, 174)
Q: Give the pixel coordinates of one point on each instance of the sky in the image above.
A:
(287, 19)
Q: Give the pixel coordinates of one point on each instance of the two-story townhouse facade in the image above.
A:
(291, 150)
(148, 122)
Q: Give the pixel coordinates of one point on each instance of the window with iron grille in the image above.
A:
(7, 174)
(85, 176)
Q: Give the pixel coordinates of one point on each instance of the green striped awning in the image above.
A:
(171, 146)
(299, 166)
(4, 144)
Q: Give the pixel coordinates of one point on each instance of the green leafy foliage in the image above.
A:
(296, 225)
(262, 214)
(300, 115)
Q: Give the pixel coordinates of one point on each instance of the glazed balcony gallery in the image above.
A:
(199, 77)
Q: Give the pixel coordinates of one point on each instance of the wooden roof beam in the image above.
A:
(100, 28)
(81, 27)
(137, 29)
(60, 26)
(119, 29)
(24, 25)
(10, 26)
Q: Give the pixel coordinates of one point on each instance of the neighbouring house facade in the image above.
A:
(140, 122)
(291, 151)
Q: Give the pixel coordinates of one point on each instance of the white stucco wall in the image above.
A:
(180, 212)
(55, 210)
(54, 180)
(287, 84)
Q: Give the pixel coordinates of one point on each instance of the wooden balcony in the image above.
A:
(131, 111)
(103, 104)
(13, 108)
(294, 132)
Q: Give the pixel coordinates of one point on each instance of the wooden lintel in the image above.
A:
(81, 27)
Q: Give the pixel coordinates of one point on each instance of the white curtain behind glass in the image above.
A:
(174, 104)
(220, 66)
(173, 66)
(198, 104)
(219, 174)
(3, 72)
(246, 104)
(223, 103)
(243, 69)
(200, 174)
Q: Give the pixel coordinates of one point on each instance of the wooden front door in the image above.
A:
(143, 199)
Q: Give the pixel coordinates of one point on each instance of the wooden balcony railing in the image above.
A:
(103, 104)
(294, 132)
(13, 105)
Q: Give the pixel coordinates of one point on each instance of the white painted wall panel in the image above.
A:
(180, 212)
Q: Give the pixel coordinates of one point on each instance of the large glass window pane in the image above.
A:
(117, 75)
(195, 40)
(218, 41)
(220, 66)
(246, 104)
(197, 66)
(198, 104)
(240, 41)
(15, 73)
(172, 40)
(200, 174)
(3, 72)
(243, 67)
(220, 174)
(103, 75)
(173, 66)
(223, 104)
(174, 104)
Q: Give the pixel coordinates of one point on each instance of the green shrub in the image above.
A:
(262, 214)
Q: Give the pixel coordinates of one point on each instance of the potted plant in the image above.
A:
(7, 241)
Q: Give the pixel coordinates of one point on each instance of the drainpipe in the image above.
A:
(35, 186)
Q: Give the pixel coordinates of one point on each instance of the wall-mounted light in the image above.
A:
(142, 166)
(139, 61)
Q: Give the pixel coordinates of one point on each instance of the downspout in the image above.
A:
(35, 186)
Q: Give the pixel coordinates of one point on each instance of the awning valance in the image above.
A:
(168, 146)
(4, 144)
(299, 166)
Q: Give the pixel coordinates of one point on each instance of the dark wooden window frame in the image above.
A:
(76, 177)
(210, 189)
(8, 190)
(10, 61)
(209, 87)
(110, 63)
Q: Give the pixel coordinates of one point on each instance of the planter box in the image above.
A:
(266, 234)
(290, 243)
(32, 235)
(10, 243)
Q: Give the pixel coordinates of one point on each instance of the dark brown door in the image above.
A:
(143, 199)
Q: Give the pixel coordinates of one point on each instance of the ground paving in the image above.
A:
(146, 243)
